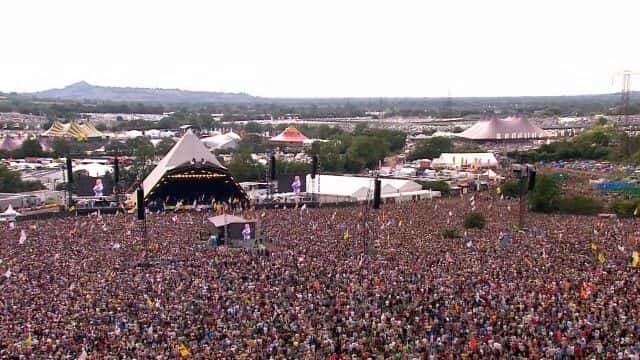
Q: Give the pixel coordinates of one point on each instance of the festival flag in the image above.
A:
(635, 258)
(8, 273)
(184, 351)
(23, 237)
(498, 190)
(585, 290)
(601, 258)
(148, 300)
(505, 240)
(28, 341)
(333, 216)
(635, 212)
(12, 225)
(263, 214)
(594, 246)
(450, 213)
(345, 236)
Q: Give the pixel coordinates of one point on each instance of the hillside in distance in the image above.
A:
(85, 91)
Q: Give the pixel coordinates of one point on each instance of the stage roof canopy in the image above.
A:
(222, 220)
(190, 171)
(189, 150)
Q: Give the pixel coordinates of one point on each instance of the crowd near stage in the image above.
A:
(326, 288)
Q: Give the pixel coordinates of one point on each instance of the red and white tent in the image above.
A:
(290, 135)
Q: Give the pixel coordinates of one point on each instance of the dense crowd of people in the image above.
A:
(335, 283)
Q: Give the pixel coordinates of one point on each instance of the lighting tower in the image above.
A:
(625, 92)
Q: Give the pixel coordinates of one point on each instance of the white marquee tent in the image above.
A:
(359, 188)
(9, 214)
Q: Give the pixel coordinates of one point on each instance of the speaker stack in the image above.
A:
(140, 203)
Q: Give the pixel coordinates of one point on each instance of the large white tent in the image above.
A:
(222, 141)
(359, 188)
(9, 214)
(10, 211)
(511, 128)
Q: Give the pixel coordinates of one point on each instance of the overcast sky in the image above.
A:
(323, 48)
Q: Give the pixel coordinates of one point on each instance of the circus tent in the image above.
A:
(74, 129)
(511, 128)
(290, 136)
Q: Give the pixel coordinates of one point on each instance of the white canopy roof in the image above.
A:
(224, 141)
(492, 128)
(182, 153)
(10, 211)
(222, 220)
(167, 134)
(152, 133)
(359, 187)
(131, 134)
(490, 173)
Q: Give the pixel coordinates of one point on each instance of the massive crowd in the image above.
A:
(331, 286)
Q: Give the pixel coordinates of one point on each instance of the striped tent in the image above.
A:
(74, 129)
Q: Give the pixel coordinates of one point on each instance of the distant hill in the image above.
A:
(85, 91)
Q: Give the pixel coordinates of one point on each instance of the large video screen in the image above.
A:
(287, 183)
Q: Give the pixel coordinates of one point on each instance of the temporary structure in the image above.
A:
(290, 136)
(511, 128)
(74, 129)
(358, 188)
(234, 225)
(457, 160)
(9, 214)
(190, 171)
(223, 141)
